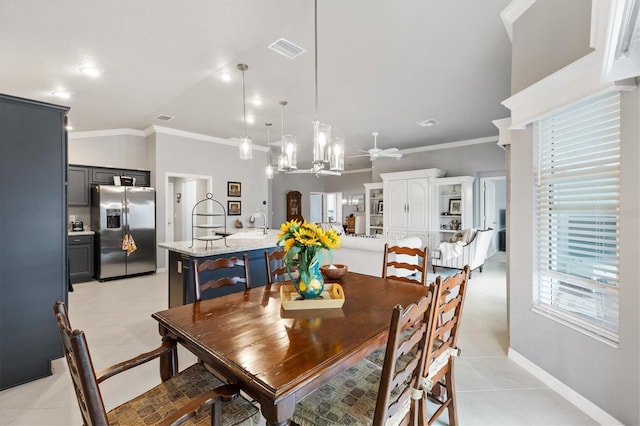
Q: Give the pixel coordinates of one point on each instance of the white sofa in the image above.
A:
(364, 255)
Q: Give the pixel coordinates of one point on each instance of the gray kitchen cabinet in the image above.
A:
(104, 176)
(78, 186)
(80, 258)
(33, 231)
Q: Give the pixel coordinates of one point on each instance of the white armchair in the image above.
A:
(472, 253)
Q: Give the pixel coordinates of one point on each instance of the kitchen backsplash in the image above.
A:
(82, 214)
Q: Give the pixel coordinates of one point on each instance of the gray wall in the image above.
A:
(121, 151)
(480, 160)
(162, 153)
(605, 375)
(562, 38)
(178, 154)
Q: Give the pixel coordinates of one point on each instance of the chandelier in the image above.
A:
(328, 154)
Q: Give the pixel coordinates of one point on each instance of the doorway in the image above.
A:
(182, 191)
(325, 207)
(493, 204)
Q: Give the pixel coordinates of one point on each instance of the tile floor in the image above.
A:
(492, 390)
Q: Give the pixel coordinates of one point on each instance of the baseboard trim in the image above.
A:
(588, 407)
(161, 269)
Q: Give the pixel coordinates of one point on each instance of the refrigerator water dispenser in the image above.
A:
(113, 218)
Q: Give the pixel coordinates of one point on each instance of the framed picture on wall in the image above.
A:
(454, 206)
(234, 189)
(234, 208)
(380, 209)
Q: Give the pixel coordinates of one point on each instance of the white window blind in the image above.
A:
(577, 216)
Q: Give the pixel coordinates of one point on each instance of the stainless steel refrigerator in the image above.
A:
(124, 220)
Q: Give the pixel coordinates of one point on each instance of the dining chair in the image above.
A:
(404, 255)
(274, 263)
(438, 370)
(369, 394)
(204, 269)
(192, 396)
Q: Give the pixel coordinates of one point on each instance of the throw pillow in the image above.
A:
(458, 236)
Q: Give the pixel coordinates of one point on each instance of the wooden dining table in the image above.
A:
(279, 356)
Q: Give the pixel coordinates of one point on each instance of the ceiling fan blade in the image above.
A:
(358, 155)
(392, 154)
(385, 151)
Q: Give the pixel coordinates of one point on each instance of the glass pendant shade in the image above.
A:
(336, 155)
(321, 143)
(288, 161)
(246, 148)
(246, 145)
(269, 171)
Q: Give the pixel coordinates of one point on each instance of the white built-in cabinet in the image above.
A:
(408, 203)
(453, 207)
(374, 208)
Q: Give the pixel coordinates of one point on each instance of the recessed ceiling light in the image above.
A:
(257, 101)
(92, 71)
(62, 94)
(250, 119)
(69, 127)
(225, 76)
(428, 123)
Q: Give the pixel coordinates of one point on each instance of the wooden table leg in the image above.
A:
(278, 415)
(169, 360)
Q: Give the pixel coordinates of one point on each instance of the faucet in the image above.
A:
(264, 216)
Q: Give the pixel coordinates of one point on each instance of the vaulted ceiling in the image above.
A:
(382, 66)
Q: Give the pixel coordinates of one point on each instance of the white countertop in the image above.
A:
(77, 233)
(253, 239)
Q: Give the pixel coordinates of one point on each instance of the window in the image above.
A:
(577, 216)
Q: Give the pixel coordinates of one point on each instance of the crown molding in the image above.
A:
(107, 132)
(447, 145)
(160, 130)
(198, 136)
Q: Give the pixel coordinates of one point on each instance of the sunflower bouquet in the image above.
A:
(303, 244)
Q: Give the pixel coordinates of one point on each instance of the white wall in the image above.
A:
(607, 376)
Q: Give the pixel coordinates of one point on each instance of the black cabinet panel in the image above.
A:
(100, 176)
(80, 258)
(33, 231)
(142, 177)
(78, 186)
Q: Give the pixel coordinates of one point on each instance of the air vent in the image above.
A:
(162, 117)
(428, 123)
(286, 48)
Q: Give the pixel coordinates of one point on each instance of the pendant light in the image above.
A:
(287, 161)
(246, 145)
(327, 153)
(269, 168)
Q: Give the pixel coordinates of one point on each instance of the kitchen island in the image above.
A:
(181, 256)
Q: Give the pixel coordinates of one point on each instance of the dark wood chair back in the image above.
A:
(449, 301)
(81, 369)
(274, 263)
(200, 270)
(403, 363)
(420, 267)
(197, 388)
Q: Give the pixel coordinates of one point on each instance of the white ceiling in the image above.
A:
(382, 66)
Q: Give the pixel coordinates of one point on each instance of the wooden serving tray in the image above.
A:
(331, 297)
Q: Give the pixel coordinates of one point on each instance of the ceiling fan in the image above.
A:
(375, 152)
